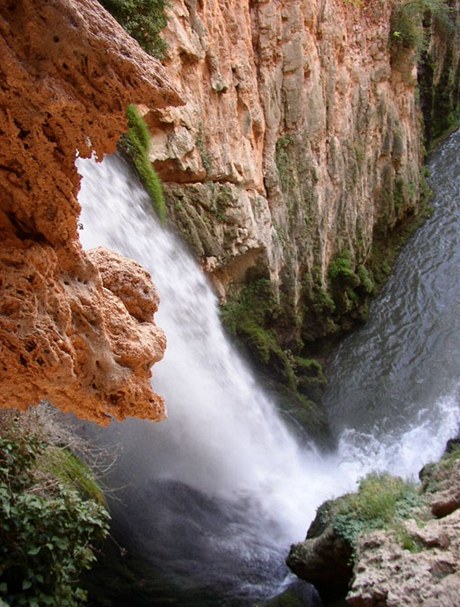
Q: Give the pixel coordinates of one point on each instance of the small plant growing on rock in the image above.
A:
(407, 31)
(381, 502)
(135, 144)
(48, 526)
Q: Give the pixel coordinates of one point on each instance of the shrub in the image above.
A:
(47, 527)
(136, 144)
(143, 20)
(365, 279)
(341, 267)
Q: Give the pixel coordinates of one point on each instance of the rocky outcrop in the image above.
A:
(76, 329)
(324, 558)
(412, 560)
(388, 575)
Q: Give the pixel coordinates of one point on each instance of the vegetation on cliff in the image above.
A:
(135, 144)
(52, 513)
(410, 20)
(143, 20)
(414, 25)
(381, 502)
(256, 318)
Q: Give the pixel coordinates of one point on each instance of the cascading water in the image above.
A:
(215, 495)
(222, 482)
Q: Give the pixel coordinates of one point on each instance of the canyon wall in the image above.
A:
(296, 136)
(296, 156)
(76, 329)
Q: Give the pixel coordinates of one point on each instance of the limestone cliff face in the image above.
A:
(76, 329)
(298, 140)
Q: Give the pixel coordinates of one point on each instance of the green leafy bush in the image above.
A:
(47, 528)
(136, 144)
(143, 20)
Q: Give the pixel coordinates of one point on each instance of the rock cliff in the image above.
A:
(298, 138)
(76, 329)
(296, 155)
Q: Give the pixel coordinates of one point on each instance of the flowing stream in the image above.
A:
(215, 495)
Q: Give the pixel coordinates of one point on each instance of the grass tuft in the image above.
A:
(136, 145)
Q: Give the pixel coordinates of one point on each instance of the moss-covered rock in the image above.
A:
(135, 145)
(368, 543)
(258, 320)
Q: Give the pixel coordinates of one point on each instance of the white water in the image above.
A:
(223, 436)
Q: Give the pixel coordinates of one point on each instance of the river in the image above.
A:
(214, 496)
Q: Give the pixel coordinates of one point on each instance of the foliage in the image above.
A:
(381, 502)
(434, 475)
(136, 144)
(407, 30)
(62, 464)
(341, 267)
(47, 528)
(251, 316)
(283, 161)
(349, 286)
(143, 20)
(365, 279)
(257, 319)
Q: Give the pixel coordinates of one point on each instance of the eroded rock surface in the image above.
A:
(300, 141)
(300, 127)
(80, 337)
(412, 562)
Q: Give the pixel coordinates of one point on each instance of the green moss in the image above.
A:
(434, 475)
(143, 20)
(256, 318)
(381, 502)
(407, 31)
(365, 280)
(252, 318)
(284, 162)
(407, 541)
(72, 472)
(136, 144)
(341, 269)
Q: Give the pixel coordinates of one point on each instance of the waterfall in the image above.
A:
(223, 481)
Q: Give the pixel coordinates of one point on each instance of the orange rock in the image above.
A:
(80, 337)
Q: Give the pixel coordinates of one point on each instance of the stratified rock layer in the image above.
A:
(79, 337)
